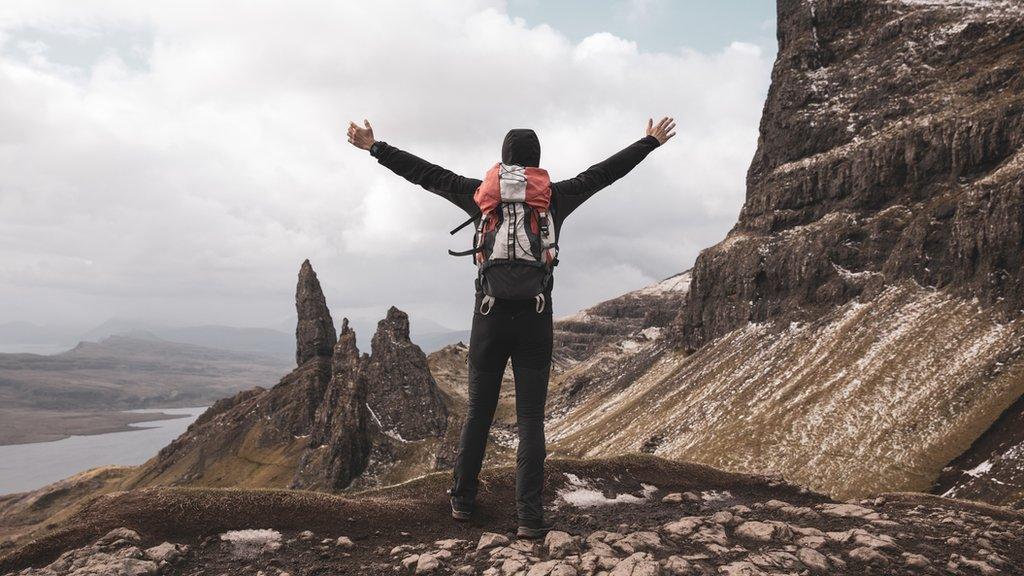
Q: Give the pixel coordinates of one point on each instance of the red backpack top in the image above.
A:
(514, 246)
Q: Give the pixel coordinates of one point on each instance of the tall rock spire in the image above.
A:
(314, 333)
(339, 443)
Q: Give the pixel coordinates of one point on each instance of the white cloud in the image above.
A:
(177, 161)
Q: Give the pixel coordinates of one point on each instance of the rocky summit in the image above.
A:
(619, 517)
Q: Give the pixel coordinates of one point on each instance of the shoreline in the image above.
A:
(28, 426)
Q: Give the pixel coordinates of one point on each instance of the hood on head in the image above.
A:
(521, 147)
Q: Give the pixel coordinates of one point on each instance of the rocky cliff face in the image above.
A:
(890, 151)
(861, 325)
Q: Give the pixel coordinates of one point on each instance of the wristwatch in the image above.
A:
(376, 147)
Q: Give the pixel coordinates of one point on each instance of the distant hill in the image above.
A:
(125, 372)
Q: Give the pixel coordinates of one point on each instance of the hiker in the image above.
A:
(517, 214)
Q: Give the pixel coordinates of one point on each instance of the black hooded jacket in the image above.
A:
(521, 147)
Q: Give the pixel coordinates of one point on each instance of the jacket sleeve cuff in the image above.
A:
(651, 140)
(378, 149)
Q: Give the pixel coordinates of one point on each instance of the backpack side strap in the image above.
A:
(466, 223)
(476, 250)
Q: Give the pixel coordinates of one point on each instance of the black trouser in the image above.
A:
(512, 329)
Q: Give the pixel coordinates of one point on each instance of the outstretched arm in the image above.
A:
(575, 191)
(441, 181)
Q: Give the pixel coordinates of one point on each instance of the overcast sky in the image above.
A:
(176, 161)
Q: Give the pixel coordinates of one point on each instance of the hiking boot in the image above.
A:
(529, 533)
(460, 512)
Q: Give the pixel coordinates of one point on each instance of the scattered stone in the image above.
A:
(512, 566)
(915, 560)
(740, 569)
(813, 542)
(723, 517)
(450, 544)
(848, 511)
(305, 535)
(119, 534)
(756, 531)
(682, 527)
(490, 540)
(638, 542)
(711, 535)
(166, 552)
(344, 542)
(559, 544)
(981, 567)
(673, 498)
(868, 556)
(814, 561)
(775, 560)
(409, 562)
(877, 542)
(639, 564)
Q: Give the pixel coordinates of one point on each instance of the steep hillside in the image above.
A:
(861, 326)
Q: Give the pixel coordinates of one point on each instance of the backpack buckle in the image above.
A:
(486, 305)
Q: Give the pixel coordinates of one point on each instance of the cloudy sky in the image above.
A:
(176, 161)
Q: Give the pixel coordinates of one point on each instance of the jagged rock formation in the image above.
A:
(336, 418)
(891, 149)
(339, 442)
(411, 407)
(618, 517)
(314, 334)
(862, 324)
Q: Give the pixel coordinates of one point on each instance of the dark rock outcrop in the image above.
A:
(891, 149)
(314, 334)
(410, 404)
(339, 439)
(993, 468)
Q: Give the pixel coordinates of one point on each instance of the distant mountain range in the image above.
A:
(27, 337)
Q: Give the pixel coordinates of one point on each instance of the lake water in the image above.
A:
(26, 467)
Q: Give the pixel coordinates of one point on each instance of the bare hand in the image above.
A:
(663, 131)
(360, 137)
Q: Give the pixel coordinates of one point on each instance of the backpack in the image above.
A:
(514, 246)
